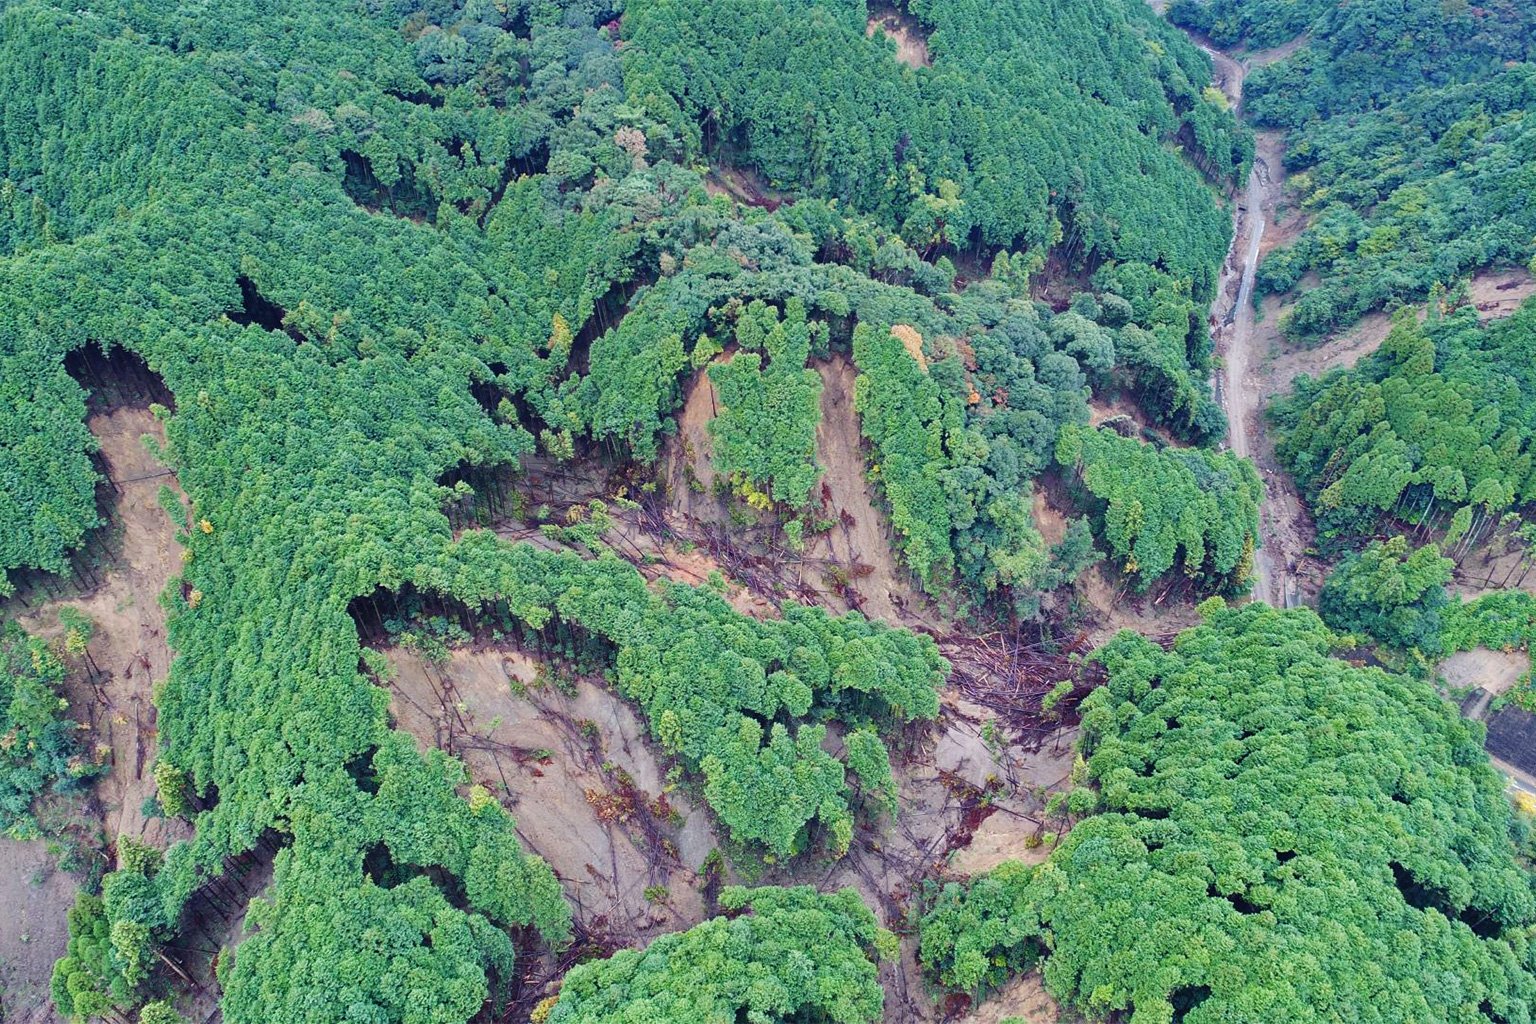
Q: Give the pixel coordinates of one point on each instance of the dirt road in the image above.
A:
(1240, 387)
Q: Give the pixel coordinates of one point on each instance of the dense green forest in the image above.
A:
(1253, 23)
(1274, 834)
(325, 230)
(1034, 123)
(1410, 143)
(1409, 148)
(782, 954)
(1412, 460)
(765, 433)
(1432, 429)
(1186, 506)
(384, 255)
(1397, 596)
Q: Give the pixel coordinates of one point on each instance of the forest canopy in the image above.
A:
(1034, 123)
(1409, 143)
(779, 955)
(1279, 836)
(1433, 428)
(376, 251)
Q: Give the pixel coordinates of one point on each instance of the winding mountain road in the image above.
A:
(1240, 385)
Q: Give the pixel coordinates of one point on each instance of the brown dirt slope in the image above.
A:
(578, 772)
(901, 29)
(129, 649)
(1023, 999)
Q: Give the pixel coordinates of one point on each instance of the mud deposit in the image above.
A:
(112, 695)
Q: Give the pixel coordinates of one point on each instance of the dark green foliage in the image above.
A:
(400, 953)
(38, 749)
(770, 403)
(782, 955)
(160, 1012)
(1026, 388)
(1163, 350)
(1282, 837)
(1258, 24)
(1191, 507)
(1389, 594)
(1503, 620)
(956, 443)
(1003, 375)
(47, 485)
(1410, 143)
(1432, 187)
(974, 148)
(1439, 420)
(311, 420)
(975, 937)
(1364, 54)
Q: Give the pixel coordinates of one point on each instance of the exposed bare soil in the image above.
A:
(1002, 837)
(575, 766)
(1284, 532)
(1283, 573)
(941, 779)
(1049, 520)
(34, 896)
(901, 29)
(1503, 563)
(1116, 607)
(1498, 293)
(849, 565)
(1259, 58)
(742, 184)
(688, 458)
(862, 538)
(129, 645)
(942, 771)
(1494, 672)
(1283, 224)
(129, 655)
(1346, 349)
(1119, 409)
(1102, 599)
(1495, 293)
(1023, 998)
